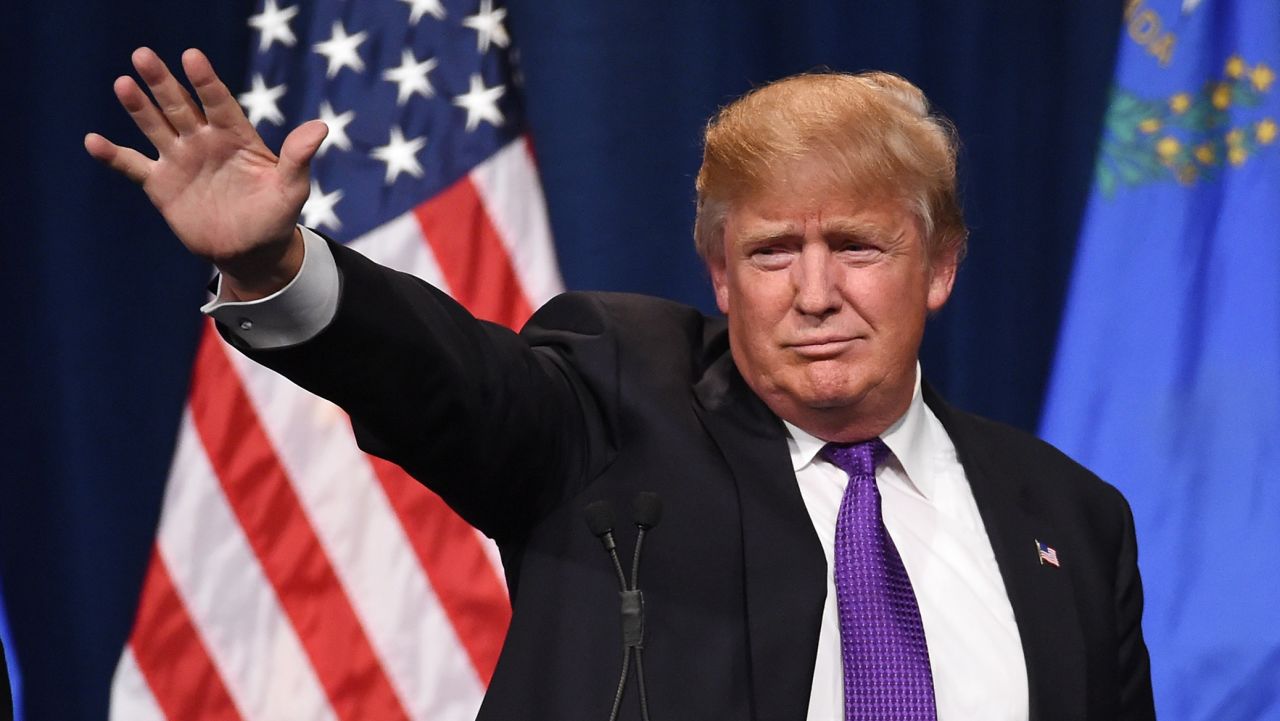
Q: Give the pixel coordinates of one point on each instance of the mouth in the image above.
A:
(819, 348)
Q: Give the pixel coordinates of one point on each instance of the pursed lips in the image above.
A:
(822, 346)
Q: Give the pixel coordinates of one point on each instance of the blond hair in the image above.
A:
(874, 132)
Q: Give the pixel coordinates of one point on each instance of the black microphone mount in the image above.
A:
(646, 512)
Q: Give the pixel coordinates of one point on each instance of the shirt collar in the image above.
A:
(907, 438)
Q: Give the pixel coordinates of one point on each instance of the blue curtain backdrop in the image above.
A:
(98, 303)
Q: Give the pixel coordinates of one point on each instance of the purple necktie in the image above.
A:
(886, 660)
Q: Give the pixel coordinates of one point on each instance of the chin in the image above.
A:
(833, 393)
(830, 401)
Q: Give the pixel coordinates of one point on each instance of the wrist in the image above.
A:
(265, 272)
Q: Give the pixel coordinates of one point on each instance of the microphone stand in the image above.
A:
(633, 624)
(599, 517)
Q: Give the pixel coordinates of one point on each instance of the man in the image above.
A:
(837, 542)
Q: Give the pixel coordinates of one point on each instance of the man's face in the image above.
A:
(827, 298)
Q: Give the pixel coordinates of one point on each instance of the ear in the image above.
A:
(942, 277)
(720, 281)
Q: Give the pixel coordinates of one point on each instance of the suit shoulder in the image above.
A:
(1031, 457)
(628, 322)
(577, 307)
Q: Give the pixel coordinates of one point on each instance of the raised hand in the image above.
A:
(226, 196)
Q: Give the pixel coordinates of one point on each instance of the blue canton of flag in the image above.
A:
(411, 106)
(1167, 380)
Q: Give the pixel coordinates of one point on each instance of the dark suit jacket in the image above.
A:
(602, 396)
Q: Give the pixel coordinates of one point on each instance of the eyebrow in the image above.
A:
(767, 232)
(855, 228)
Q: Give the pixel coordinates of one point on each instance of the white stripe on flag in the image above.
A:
(366, 544)
(229, 599)
(399, 244)
(508, 185)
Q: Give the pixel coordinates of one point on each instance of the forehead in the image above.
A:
(818, 186)
(790, 211)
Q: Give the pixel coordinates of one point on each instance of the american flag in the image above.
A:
(294, 577)
(1047, 554)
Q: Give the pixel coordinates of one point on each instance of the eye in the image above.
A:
(855, 245)
(771, 256)
(857, 250)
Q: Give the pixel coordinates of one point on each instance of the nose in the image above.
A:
(816, 279)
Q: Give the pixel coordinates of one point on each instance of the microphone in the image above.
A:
(646, 509)
(599, 517)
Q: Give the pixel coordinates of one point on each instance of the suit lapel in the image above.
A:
(784, 569)
(1041, 595)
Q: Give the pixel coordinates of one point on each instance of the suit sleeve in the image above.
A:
(1136, 700)
(500, 428)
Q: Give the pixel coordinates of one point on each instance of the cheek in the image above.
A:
(755, 336)
(897, 299)
(752, 332)
(758, 300)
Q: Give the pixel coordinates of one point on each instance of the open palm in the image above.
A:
(226, 196)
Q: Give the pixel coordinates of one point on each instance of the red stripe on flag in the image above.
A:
(464, 579)
(171, 656)
(281, 536)
(471, 255)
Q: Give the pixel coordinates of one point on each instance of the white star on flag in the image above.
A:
(337, 136)
(481, 103)
(400, 155)
(341, 50)
(487, 23)
(260, 102)
(411, 77)
(273, 24)
(418, 8)
(318, 209)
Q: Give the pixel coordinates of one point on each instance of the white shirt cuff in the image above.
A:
(293, 314)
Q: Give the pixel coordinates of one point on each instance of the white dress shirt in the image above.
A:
(974, 649)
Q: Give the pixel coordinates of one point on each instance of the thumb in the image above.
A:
(299, 148)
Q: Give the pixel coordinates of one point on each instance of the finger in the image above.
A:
(145, 114)
(220, 106)
(132, 164)
(174, 100)
(299, 148)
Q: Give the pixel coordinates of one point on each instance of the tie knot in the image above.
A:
(856, 459)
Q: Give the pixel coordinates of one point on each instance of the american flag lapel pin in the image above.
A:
(1047, 554)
